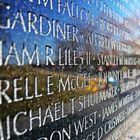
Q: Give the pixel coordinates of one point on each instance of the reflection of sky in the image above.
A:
(18, 36)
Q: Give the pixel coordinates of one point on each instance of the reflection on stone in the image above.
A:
(69, 70)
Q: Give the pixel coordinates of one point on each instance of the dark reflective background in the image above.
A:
(68, 69)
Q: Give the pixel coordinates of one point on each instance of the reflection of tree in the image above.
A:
(87, 50)
(64, 46)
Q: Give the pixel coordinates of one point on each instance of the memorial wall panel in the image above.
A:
(69, 69)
